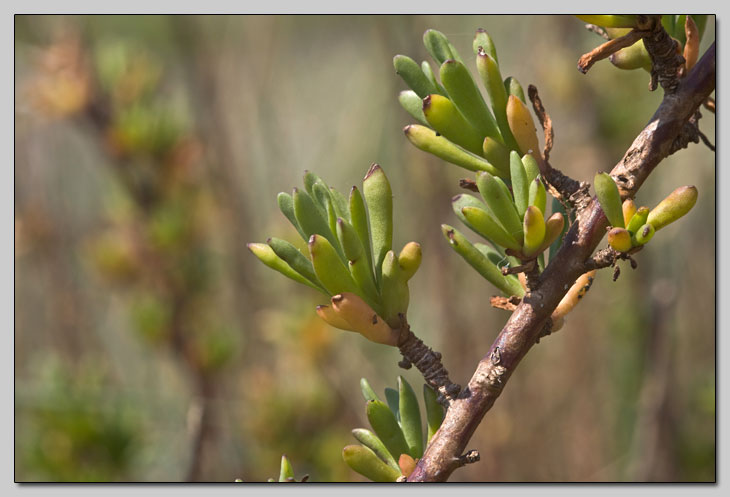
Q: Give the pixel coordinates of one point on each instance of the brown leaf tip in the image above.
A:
(427, 102)
(373, 169)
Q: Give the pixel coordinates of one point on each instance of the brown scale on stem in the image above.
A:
(506, 303)
(468, 184)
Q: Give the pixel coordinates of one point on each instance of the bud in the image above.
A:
(522, 126)
(553, 228)
(409, 259)
(407, 464)
(611, 21)
(609, 198)
(644, 234)
(534, 228)
(394, 290)
(638, 219)
(633, 57)
(619, 239)
(675, 205)
(629, 209)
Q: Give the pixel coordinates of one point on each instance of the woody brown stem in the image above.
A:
(598, 30)
(545, 121)
(428, 362)
(610, 47)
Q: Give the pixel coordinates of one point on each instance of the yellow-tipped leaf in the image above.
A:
(675, 205)
(363, 319)
(523, 127)
(534, 229)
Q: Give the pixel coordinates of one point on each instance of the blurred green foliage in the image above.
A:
(79, 432)
(208, 118)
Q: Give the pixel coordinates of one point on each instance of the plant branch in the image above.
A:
(598, 30)
(610, 47)
(520, 333)
(506, 303)
(428, 362)
(522, 268)
(564, 188)
(545, 121)
(705, 140)
(709, 104)
(665, 54)
(607, 258)
(201, 426)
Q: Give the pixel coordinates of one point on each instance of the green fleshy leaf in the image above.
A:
(410, 418)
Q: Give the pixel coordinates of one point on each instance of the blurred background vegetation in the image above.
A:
(150, 345)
